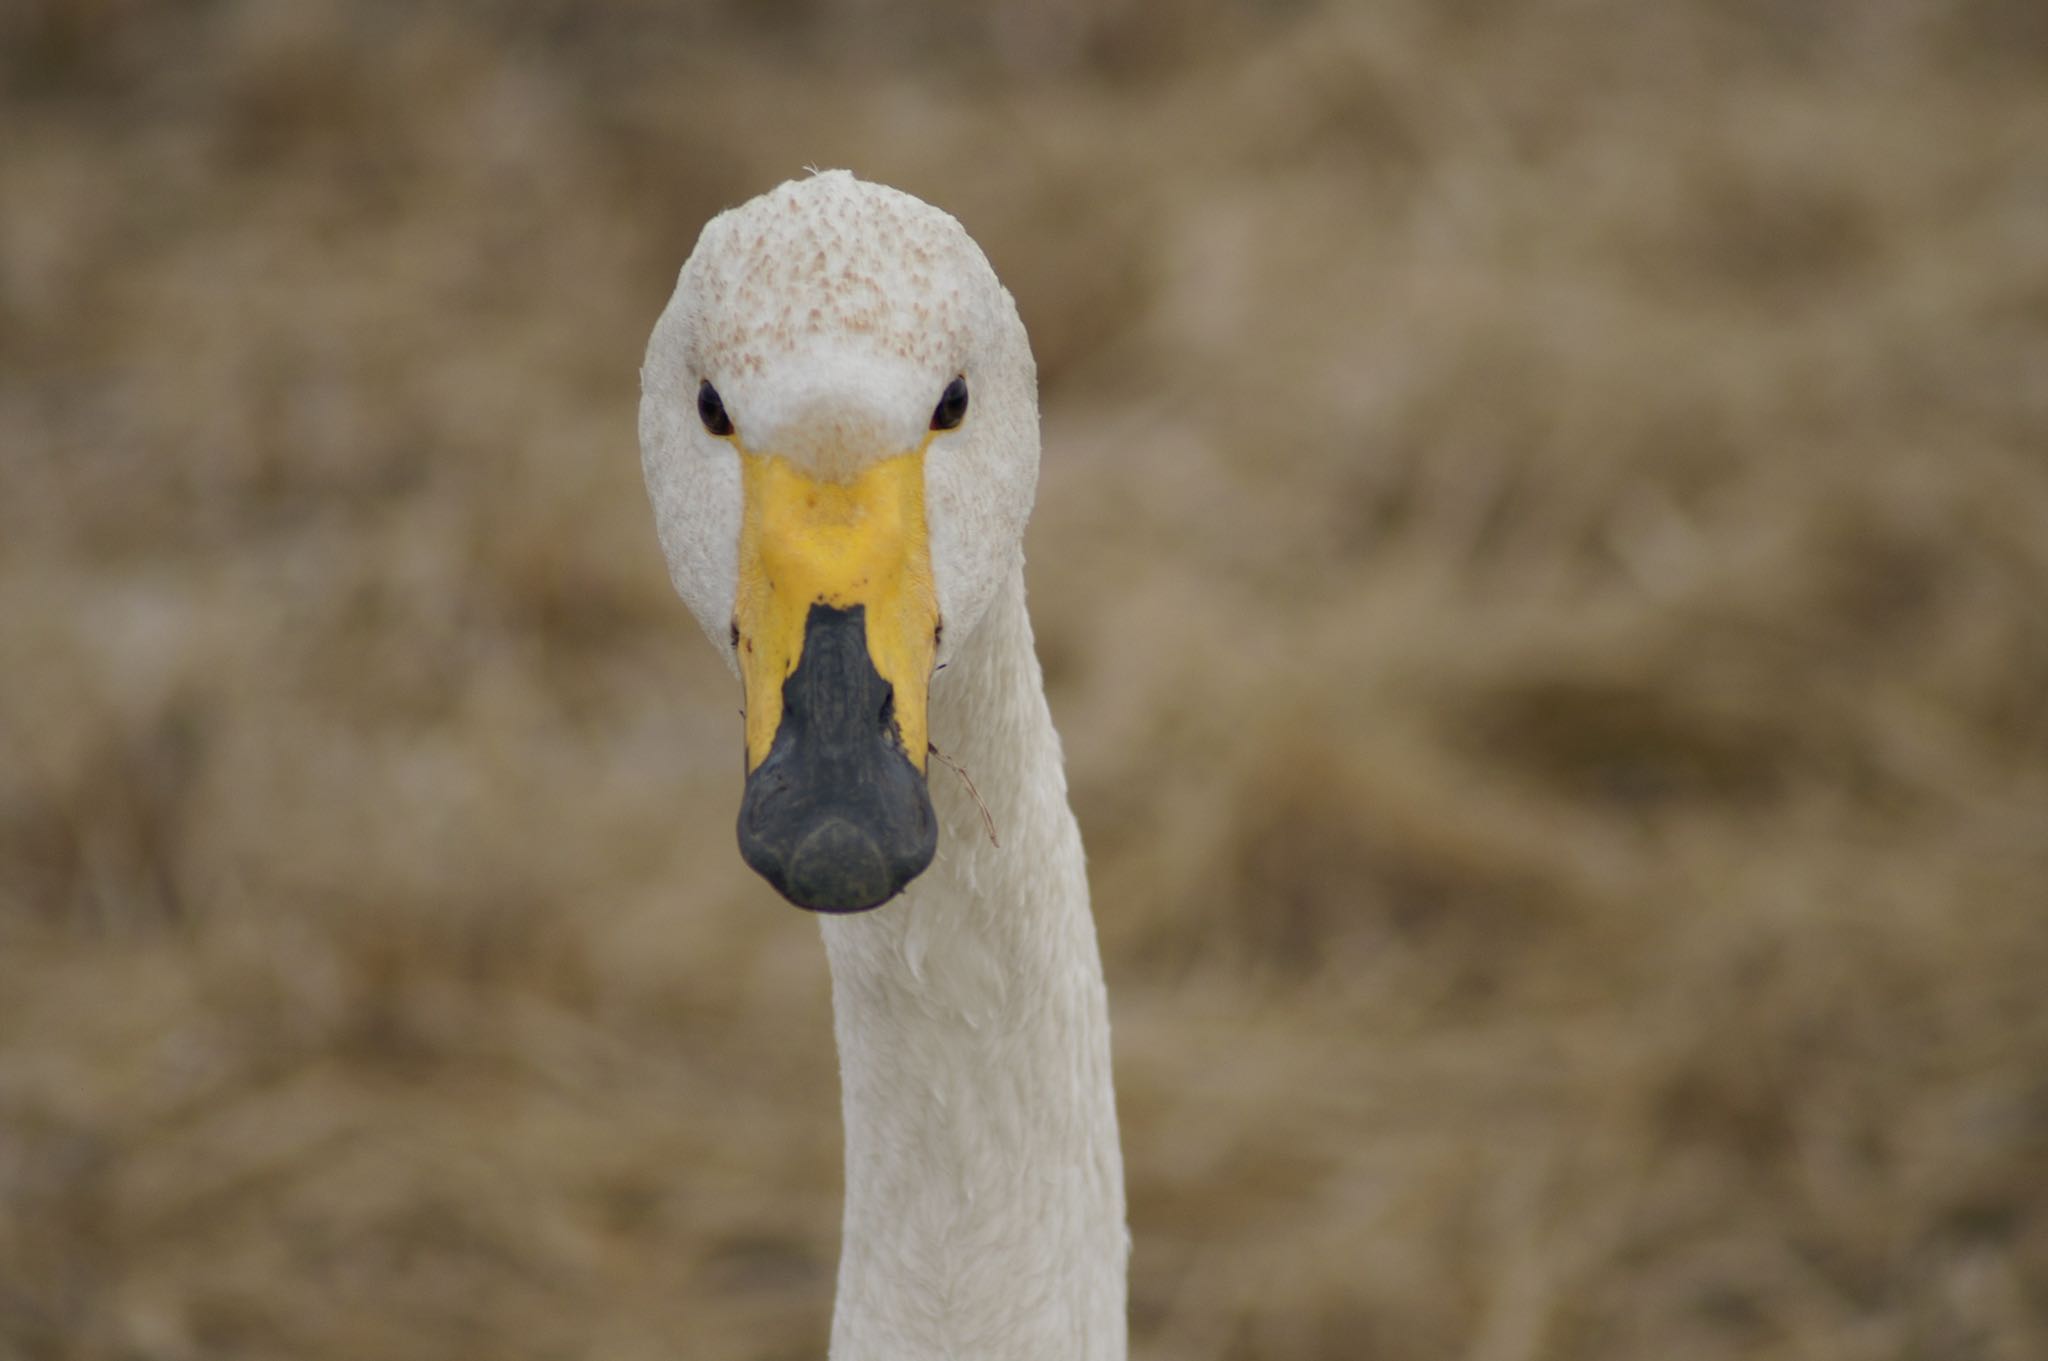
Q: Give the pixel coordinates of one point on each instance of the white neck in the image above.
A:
(984, 1188)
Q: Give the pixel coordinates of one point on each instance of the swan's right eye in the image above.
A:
(952, 407)
(711, 410)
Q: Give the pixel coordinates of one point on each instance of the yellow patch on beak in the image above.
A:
(858, 542)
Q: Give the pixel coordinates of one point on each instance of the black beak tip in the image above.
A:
(837, 866)
(835, 816)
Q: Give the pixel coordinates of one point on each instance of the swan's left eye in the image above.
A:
(952, 407)
(711, 410)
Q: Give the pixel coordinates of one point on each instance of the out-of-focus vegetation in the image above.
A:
(1542, 565)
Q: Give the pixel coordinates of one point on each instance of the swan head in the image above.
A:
(839, 429)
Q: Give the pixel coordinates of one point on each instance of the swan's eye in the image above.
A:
(711, 410)
(952, 407)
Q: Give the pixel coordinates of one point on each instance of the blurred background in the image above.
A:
(1541, 566)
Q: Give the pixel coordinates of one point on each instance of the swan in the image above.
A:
(839, 431)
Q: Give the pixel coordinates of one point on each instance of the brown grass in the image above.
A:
(1542, 564)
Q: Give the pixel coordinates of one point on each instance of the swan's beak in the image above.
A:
(836, 622)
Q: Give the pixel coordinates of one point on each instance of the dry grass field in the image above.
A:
(1542, 567)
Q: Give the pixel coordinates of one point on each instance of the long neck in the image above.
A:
(984, 1188)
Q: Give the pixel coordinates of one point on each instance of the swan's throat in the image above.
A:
(984, 1192)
